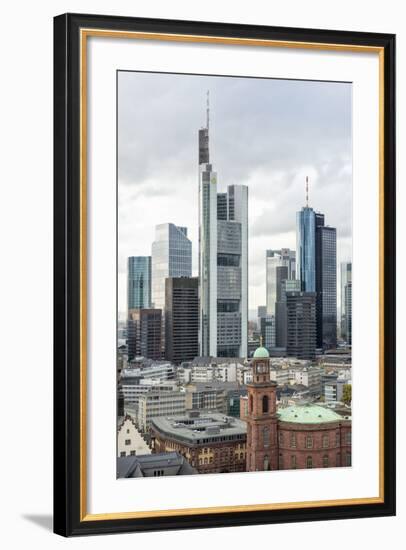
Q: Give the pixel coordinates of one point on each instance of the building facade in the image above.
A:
(306, 249)
(181, 319)
(301, 324)
(281, 319)
(346, 296)
(223, 262)
(326, 286)
(261, 418)
(138, 282)
(156, 404)
(129, 439)
(144, 333)
(280, 265)
(211, 443)
(268, 331)
(171, 256)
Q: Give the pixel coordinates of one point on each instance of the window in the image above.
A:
(250, 403)
(122, 453)
(348, 459)
(293, 439)
(280, 435)
(338, 459)
(309, 442)
(348, 438)
(337, 439)
(132, 453)
(293, 462)
(266, 463)
(309, 462)
(128, 441)
(128, 431)
(325, 441)
(281, 462)
(265, 404)
(266, 436)
(325, 461)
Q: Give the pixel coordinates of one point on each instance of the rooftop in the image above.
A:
(307, 414)
(261, 353)
(192, 428)
(144, 465)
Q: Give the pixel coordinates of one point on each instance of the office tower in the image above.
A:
(223, 262)
(316, 265)
(268, 331)
(171, 257)
(144, 332)
(138, 282)
(301, 324)
(346, 278)
(326, 286)
(280, 264)
(348, 312)
(261, 312)
(181, 319)
(287, 285)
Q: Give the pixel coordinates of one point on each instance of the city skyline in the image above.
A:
(271, 216)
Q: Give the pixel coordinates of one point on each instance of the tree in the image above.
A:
(347, 394)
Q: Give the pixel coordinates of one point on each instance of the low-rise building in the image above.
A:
(156, 404)
(129, 439)
(156, 465)
(211, 442)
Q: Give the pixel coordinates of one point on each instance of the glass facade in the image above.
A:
(171, 257)
(346, 279)
(306, 249)
(138, 282)
(326, 286)
(276, 259)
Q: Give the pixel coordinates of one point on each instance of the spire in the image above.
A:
(208, 110)
(307, 191)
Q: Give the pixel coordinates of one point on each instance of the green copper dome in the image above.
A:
(261, 353)
(307, 414)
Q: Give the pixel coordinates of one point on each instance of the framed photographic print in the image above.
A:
(224, 274)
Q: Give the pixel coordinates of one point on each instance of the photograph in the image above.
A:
(234, 274)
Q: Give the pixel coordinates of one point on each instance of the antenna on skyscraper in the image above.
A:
(307, 191)
(208, 109)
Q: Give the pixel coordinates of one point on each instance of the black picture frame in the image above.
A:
(67, 289)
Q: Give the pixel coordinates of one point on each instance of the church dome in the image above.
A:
(307, 414)
(261, 353)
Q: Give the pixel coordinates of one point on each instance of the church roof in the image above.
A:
(307, 414)
(261, 352)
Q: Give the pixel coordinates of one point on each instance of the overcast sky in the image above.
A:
(266, 134)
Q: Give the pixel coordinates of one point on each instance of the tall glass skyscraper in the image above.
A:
(306, 248)
(138, 282)
(171, 257)
(345, 299)
(280, 265)
(223, 262)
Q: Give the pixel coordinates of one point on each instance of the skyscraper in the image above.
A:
(281, 320)
(346, 278)
(223, 261)
(144, 330)
(171, 257)
(280, 265)
(316, 265)
(138, 282)
(326, 286)
(301, 324)
(181, 319)
(348, 312)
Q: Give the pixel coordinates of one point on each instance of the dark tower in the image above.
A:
(262, 440)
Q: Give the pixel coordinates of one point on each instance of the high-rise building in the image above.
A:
(261, 312)
(316, 268)
(326, 286)
(144, 332)
(301, 324)
(281, 320)
(280, 265)
(268, 331)
(138, 282)
(346, 278)
(348, 312)
(223, 262)
(171, 257)
(181, 319)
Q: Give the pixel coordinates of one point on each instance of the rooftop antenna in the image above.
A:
(208, 109)
(307, 191)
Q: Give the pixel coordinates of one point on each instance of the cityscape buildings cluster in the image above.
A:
(214, 392)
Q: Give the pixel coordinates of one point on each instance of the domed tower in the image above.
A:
(262, 440)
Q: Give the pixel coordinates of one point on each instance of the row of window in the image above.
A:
(309, 440)
(310, 463)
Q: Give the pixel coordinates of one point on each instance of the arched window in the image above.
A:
(293, 462)
(250, 404)
(338, 459)
(266, 436)
(309, 462)
(266, 462)
(348, 459)
(325, 461)
(265, 404)
(325, 441)
(309, 442)
(293, 439)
